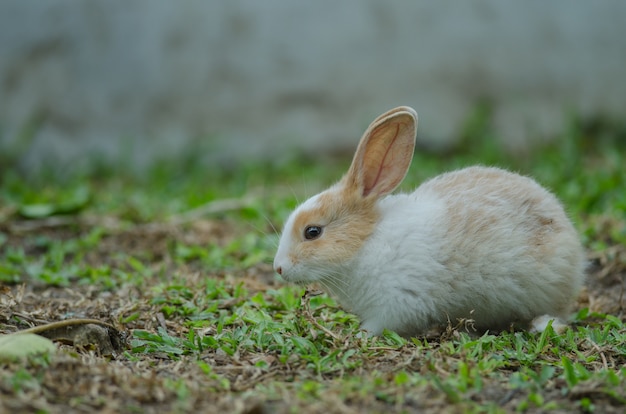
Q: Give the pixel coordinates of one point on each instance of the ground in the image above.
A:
(178, 273)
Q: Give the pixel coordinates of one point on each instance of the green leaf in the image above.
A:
(22, 345)
(568, 372)
(68, 203)
(35, 211)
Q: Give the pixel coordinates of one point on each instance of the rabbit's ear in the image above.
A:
(384, 154)
(392, 112)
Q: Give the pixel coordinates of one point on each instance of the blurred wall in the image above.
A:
(135, 80)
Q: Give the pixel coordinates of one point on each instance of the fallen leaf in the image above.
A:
(22, 345)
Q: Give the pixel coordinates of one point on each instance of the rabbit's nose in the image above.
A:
(279, 270)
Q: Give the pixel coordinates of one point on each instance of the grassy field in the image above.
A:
(179, 263)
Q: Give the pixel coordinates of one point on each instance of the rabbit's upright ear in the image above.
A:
(384, 154)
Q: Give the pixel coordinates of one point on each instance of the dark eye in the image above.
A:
(312, 232)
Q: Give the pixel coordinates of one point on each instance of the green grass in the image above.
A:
(129, 247)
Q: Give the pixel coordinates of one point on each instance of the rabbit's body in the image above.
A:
(478, 243)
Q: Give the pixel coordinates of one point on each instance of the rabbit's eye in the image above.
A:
(312, 232)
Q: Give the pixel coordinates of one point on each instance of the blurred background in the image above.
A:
(128, 83)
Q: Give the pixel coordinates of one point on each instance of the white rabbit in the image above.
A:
(478, 243)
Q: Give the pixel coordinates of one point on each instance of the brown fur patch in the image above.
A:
(478, 198)
(492, 208)
(347, 221)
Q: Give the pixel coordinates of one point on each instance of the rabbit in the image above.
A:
(478, 243)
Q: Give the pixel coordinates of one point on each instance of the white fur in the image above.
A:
(479, 243)
(540, 323)
(294, 271)
(402, 284)
(408, 276)
(400, 255)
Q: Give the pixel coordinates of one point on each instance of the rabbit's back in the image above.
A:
(507, 243)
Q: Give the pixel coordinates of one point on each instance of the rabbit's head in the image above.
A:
(325, 232)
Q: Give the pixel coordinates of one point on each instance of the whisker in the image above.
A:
(335, 278)
(334, 283)
(272, 236)
(338, 289)
(257, 228)
(293, 192)
(325, 286)
(267, 219)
